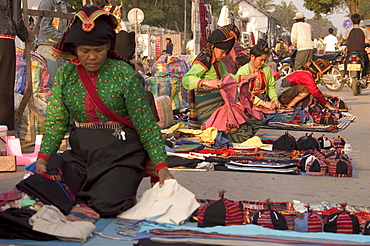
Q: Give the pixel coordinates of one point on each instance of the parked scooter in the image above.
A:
(333, 80)
(354, 67)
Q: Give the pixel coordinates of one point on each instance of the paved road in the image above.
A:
(308, 189)
(280, 187)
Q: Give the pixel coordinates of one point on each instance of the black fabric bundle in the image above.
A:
(14, 224)
(48, 191)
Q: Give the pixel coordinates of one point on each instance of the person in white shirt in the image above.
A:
(301, 37)
(190, 46)
(330, 41)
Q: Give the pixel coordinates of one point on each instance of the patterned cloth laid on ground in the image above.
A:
(305, 156)
(312, 118)
(113, 231)
(127, 230)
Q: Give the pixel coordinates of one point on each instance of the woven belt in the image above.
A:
(114, 125)
(206, 92)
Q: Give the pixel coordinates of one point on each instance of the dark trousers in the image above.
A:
(7, 81)
(106, 170)
(302, 57)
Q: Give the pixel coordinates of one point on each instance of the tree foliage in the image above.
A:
(267, 5)
(364, 7)
(320, 27)
(284, 13)
(330, 6)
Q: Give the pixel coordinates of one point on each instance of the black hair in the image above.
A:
(300, 20)
(191, 36)
(331, 30)
(356, 18)
(169, 40)
(260, 48)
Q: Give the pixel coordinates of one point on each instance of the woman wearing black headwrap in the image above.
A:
(113, 130)
(203, 79)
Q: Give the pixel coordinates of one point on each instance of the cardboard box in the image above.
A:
(8, 164)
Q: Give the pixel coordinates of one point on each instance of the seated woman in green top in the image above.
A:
(263, 87)
(204, 82)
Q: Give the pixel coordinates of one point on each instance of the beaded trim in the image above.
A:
(114, 125)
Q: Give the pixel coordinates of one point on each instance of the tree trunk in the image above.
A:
(352, 6)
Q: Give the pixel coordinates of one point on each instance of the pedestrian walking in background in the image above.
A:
(320, 45)
(190, 46)
(330, 41)
(51, 31)
(169, 47)
(301, 37)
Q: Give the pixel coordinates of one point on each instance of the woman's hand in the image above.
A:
(41, 165)
(164, 174)
(214, 83)
(276, 104)
(268, 105)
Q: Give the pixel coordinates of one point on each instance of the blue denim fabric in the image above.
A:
(50, 34)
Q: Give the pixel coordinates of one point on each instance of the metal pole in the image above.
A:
(185, 27)
(136, 35)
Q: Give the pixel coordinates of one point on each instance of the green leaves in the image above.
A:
(284, 13)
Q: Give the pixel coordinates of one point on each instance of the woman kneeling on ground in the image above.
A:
(298, 85)
(107, 156)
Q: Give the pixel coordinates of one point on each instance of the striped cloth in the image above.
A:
(342, 222)
(221, 212)
(308, 222)
(234, 215)
(164, 109)
(166, 86)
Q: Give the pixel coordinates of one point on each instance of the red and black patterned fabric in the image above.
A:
(342, 222)
(222, 212)
(271, 219)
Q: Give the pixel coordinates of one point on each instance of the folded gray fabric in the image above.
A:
(51, 220)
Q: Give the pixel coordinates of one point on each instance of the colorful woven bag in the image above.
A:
(342, 222)
(164, 110)
(339, 164)
(166, 86)
(308, 222)
(223, 212)
(271, 219)
(313, 163)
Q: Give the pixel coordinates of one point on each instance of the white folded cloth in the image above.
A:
(51, 221)
(171, 203)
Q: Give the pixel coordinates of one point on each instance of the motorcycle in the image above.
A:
(354, 67)
(333, 80)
